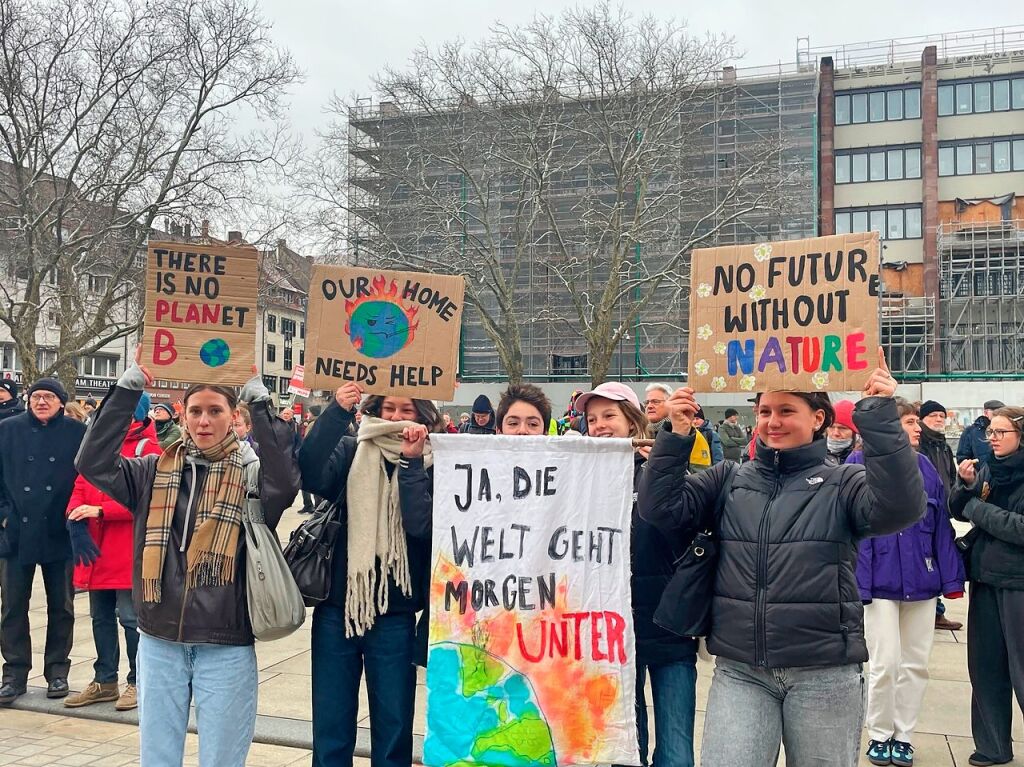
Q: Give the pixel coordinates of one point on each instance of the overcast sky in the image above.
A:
(340, 44)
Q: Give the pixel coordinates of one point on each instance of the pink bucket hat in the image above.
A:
(612, 390)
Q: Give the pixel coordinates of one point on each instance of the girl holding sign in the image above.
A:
(189, 576)
(613, 410)
(381, 481)
(787, 623)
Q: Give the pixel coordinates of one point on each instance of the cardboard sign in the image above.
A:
(531, 657)
(201, 312)
(394, 332)
(796, 315)
(295, 384)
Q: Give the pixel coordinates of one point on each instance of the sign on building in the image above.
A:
(393, 332)
(795, 315)
(531, 656)
(201, 312)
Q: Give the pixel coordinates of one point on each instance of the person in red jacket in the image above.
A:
(108, 578)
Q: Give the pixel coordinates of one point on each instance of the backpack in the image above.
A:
(275, 604)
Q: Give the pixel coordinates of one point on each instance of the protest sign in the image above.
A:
(531, 650)
(795, 315)
(393, 332)
(201, 312)
(295, 384)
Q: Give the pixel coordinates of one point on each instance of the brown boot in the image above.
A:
(129, 699)
(93, 693)
(942, 623)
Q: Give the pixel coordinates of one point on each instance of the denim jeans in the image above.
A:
(386, 652)
(815, 712)
(107, 607)
(222, 681)
(674, 689)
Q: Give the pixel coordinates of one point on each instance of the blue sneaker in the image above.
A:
(880, 752)
(902, 753)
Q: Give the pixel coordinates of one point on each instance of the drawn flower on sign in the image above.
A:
(747, 383)
(820, 380)
(704, 332)
(763, 251)
(702, 367)
(718, 383)
(703, 290)
(720, 348)
(757, 293)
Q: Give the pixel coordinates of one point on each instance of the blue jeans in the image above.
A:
(107, 607)
(817, 712)
(221, 679)
(674, 689)
(386, 652)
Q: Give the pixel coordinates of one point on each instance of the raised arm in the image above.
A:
(995, 520)
(324, 459)
(279, 471)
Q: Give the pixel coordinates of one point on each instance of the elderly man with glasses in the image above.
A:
(37, 475)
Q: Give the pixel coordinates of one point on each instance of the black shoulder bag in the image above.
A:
(685, 607)
(310, 550)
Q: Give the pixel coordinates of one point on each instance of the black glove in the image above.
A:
(83, 549)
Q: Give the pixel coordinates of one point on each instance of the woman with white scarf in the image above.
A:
(382, 482)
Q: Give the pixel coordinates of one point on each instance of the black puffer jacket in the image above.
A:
(205, 614)
(324, 459)
(11, 408)
(653, 556)
(37, 475)
(786, 590)
(997, 554)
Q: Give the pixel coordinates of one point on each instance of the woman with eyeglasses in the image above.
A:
(991, 497)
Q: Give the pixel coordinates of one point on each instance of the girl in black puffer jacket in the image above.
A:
(787, 623)
(991, 497)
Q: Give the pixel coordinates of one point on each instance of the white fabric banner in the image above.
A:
(532, 656)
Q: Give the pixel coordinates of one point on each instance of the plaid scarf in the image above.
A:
(210, 556)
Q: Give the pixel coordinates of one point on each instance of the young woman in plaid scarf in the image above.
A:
(188, 580)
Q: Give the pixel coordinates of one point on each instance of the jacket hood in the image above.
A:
(791, 460)
(140, 430)
(982, 421)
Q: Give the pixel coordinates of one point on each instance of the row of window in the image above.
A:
(272, 355)
(966, 158)
(287, 326)
(981, 96)
(878, 106)
(898, 222)
(878, 165)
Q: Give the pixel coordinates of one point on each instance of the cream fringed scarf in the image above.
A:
(375, 530)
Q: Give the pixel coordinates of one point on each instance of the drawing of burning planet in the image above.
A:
(378, 325)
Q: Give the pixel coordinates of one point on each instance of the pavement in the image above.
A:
(37, 731)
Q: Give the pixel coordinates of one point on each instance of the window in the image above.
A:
(876, 106)
(287, 358)
(1001, 95)
(983, 158)
(892, 164)
(287, 328)
(947, 161)
(99, 366)
(964, 100)
(283, 383)
(893, 222)
(983, 97)
(1017, 94)
(964, 160)
(912, 103)
(894, 105)
(271, 323)
(1001, 156)
(271, 353)
(1018, 155)
(945, 100)
(302, 330)
(860, 107)
(842, 110)
(302, 356)
(271, 383)
(98, 284)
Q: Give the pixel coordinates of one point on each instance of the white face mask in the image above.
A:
(838, 445)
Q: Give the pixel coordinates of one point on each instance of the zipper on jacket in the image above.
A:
(184, 538)
(761, 601)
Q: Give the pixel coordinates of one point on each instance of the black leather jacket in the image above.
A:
(786, 589)
(210, 615)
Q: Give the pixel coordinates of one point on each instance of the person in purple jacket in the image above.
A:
(900, 577)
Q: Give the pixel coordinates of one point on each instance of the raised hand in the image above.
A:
(968, 470)
(414, 438)
(681, 408)
(348, 395)
(145, 371)
(880, 383)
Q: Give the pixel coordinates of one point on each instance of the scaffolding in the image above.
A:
(908, 331)
(981, 268)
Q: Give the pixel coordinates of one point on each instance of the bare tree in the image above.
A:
(112, 114)
(562, 167)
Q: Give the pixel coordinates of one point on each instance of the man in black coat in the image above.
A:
(37, 474)
(10, 405)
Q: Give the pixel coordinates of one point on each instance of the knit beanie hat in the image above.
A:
(166, 408)
(51, 385)
(11, 386)
(482, 405)
(931, 406)
(142, 409)
(844, 414)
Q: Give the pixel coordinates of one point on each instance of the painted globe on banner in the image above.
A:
(215, 352)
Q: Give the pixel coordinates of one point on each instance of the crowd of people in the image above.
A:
(833, 520)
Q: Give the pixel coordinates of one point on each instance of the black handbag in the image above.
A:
(685, 606)
(310, 550)
(964, 544)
